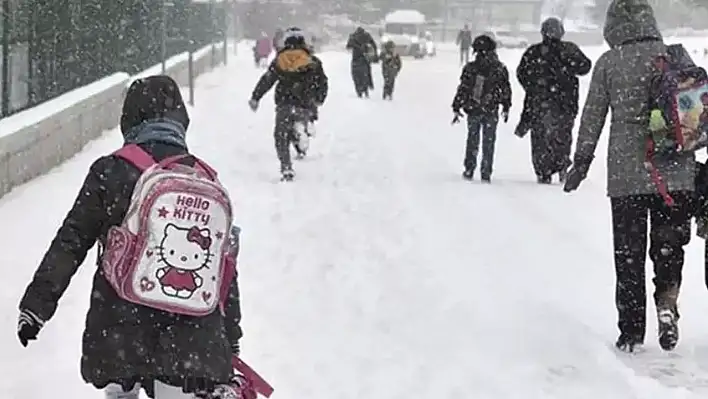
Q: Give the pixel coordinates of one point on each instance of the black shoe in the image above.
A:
(486, 179)
(668, 329)
(287, 175)
(543, 179)
(468, 174)
(629, 344)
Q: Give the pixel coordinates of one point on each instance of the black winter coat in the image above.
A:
(301, 79)
(123, 342)
(359, 43)
(549, 72)
(493, 77)
(390, 64)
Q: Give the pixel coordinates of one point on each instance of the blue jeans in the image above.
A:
(486, 126)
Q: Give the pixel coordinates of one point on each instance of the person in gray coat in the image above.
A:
(621, 81)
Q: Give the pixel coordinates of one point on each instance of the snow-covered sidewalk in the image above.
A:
(379, 273)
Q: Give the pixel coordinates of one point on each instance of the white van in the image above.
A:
(406, 28)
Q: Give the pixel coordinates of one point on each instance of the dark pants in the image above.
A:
(551, 141)
(670, 231)
(361, 75)
(464, 55)
(284, 132)
(486, 126)
(389, 83)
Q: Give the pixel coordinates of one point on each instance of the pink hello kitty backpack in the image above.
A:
(172, 250)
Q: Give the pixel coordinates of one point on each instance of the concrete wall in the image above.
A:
(34, 141)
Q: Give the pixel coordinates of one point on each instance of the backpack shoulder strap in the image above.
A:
(198, 163)
(136, 156)
(206, 168)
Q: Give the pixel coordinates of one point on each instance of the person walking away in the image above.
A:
(301, 89)
(132, 342)
(363, 49)
(262, 50)
(390, 67)
(484, 86)
(622, 80)
(549, 72)
(464, 41)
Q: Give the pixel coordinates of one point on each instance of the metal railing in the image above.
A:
(49, 47)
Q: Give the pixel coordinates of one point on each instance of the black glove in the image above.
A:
(28, 326)
(236, 349)
(505, 115)
(457, 117)
(577, 173)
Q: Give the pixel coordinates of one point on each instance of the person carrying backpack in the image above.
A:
(623, 80)
(390, 67)
(484, 86)
(548, 72)
(164, 312)
(302, 87)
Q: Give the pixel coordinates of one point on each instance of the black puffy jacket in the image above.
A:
(301, 80)
(493, 78)
(549, 71)
(122, 342)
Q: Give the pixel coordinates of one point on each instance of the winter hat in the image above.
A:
(552, 28)
(154, 97)
(294, 38)
(629, 20)
(483, 44)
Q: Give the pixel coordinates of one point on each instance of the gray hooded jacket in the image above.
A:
(621, 82)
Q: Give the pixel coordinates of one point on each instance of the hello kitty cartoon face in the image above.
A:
(185, 248)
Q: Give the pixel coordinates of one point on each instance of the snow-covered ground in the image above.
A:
(379, 273)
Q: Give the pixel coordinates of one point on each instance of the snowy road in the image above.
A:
(380, 273)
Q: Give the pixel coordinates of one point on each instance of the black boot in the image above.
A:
(668, 329)
(543, 179)
(628, 343)
(287, 175)
(667, 316)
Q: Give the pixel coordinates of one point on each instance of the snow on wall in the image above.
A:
(37, 114)
(35, 140)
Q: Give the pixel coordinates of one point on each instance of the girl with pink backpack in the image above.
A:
(164, 314)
